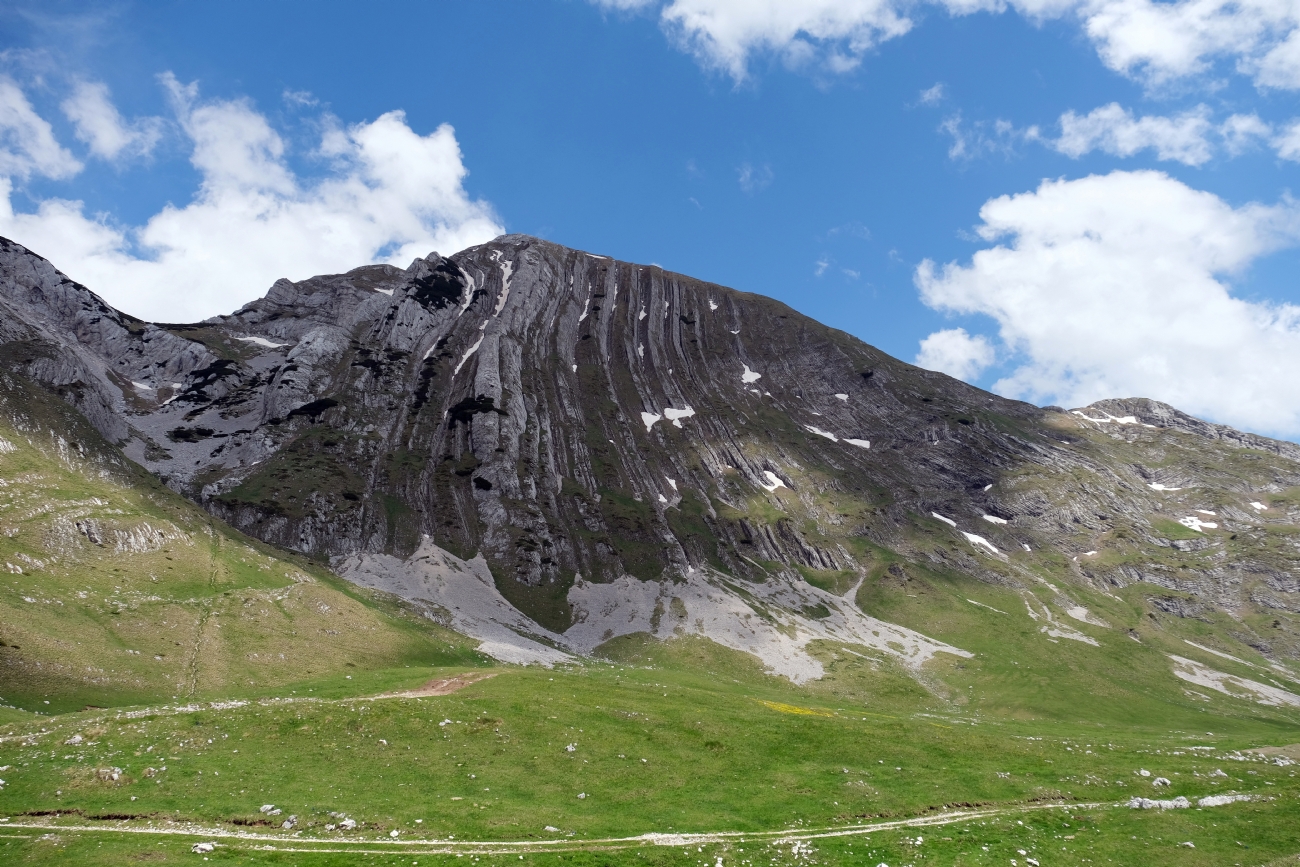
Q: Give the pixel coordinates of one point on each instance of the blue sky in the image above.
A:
(1058, 200)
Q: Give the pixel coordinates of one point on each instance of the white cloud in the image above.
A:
(726, 34)
(983, 138)
(1242, 132)
(933, 95)
(1156, 41)
(956, 353)
(99, 124)
(1116, 131)
(27, 144)
(390, 195)
(1116, 286)
(1287, 142)
(1161, 41)
(754, 179)
(1191, 137)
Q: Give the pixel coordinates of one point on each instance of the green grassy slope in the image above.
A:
(114, 590)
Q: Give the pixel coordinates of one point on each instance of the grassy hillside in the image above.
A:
(678, 738)
(114, 590)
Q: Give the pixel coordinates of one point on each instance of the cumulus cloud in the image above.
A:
(27, 143)
(1161, 41)
(1192, 137)
(1116, 131)
(389, 194)
(99, 124)
(831, 35)
(1118, 286)
(1156, 41)
(956, 353)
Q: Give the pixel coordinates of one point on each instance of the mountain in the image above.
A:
(549, 450)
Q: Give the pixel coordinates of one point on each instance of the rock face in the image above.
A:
(585, 425)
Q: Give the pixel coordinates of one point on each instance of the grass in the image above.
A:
(690, 744)
(117, 591)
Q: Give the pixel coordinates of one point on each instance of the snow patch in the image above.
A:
(263, 342)
(862, 444)
(1128, 419)
(987, 488)
(639, 316)
(994, 519)
(1192, 522)
(1156, 486)
(1026, 547)
(843, 397)
(640, 350)
(980, 541)
(713, 305)
(949, 521)
(388, 292)
(822, 433)
(676, 415)
(1259, 507)
(141, 386)
(749, 376)
(1204, 512)
(585, 305)
(773, 481)
(468, 352)
(506, 269)
(672, 483)
(650, 418)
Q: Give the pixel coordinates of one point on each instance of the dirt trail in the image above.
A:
(439, 686)
(237, 840)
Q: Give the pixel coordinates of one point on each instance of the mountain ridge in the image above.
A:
(580, 422)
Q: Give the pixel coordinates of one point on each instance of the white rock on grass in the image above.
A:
(1229, 684)
(1179, 803)
(203, 848)
(1222, 800)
